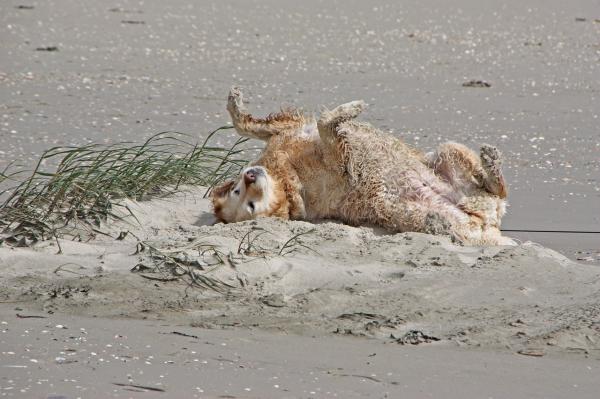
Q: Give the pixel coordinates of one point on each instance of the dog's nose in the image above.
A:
(249, 177)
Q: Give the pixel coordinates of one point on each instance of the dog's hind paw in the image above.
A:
(436, 224)
(491, 157)
(491, 160)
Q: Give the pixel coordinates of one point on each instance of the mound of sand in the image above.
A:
(330, 279)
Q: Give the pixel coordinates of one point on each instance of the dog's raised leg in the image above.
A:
(463, 169)
(414, 216)
(330, 120)
(257, 128)
(458, 165)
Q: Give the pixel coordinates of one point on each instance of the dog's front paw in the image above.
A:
(341, 113)
(235, 100)
(349, 110)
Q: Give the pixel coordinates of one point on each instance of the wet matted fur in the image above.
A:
(342, 169)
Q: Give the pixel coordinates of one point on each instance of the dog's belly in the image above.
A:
(324, 195)
(420, 184)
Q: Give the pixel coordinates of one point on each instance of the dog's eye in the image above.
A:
(236, 192)
(251, 206)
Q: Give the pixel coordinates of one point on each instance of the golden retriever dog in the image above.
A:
(337, 168)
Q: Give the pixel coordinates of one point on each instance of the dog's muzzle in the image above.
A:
(250, 175)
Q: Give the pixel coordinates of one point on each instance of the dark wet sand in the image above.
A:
(88, 358)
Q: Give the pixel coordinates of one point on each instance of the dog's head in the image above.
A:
(253, 194)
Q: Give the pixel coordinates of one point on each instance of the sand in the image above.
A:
(334, 280)
(112, 80)
(89, 357)
(126, 70)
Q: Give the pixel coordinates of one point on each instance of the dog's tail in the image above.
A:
(260, 128)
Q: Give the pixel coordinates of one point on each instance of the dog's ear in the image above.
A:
(219, 198)
(223, 189)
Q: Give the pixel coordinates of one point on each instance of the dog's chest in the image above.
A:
(309, 131)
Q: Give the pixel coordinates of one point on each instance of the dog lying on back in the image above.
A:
(341, 169)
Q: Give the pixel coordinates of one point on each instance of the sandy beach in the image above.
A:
(331, 281)
(90, 358)
(341, 311)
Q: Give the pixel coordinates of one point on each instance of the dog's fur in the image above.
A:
(341, 169)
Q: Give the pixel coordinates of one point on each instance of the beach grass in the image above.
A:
(88, 183)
